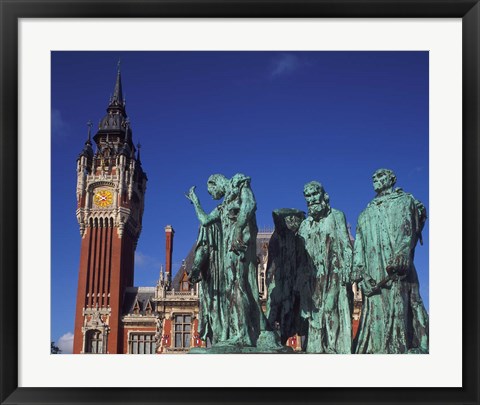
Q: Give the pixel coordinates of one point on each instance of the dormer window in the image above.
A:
(148, 308)
(136, 307)
(184, 284)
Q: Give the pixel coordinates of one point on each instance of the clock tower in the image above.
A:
(110, 199)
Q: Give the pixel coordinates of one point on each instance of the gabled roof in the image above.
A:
(137, 294)
(185, 267)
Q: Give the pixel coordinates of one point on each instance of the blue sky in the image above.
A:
(283, 118)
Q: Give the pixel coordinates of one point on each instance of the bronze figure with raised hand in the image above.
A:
(208, 268)
(225, 262)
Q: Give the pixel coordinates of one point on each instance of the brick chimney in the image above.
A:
(168, 252)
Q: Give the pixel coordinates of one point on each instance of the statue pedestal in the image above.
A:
(267, 343)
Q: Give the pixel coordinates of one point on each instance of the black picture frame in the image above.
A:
(11, 11)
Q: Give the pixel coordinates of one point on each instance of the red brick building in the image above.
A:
(110, 195)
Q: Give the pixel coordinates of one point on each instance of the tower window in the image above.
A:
(183, 327)
(94, 342)
(141, 343)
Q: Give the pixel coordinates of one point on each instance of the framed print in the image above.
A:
(272, 95)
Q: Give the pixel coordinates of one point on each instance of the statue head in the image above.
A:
(293, 222)
(318, 201)
(217, 186)
(383, 180)
(287, 218)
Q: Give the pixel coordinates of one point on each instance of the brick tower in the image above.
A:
(110, 199)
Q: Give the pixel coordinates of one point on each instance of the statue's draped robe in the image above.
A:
(393, 320)
(242, 314)
(209, 258)
(323, 275)
(230, 311)
(283, 299)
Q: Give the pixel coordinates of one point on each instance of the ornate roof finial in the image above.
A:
(87, 149)
(89, 125)
(138, 153)
(162, 275)
(127, 124)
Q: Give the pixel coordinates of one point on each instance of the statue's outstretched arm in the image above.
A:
(204, 218)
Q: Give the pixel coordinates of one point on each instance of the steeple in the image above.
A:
(117, 99)
(115, 121)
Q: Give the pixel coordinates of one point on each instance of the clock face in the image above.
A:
(103, 198)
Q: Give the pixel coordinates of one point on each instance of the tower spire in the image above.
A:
(117, 98)
(113, 122)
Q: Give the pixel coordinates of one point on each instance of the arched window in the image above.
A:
(94, 341)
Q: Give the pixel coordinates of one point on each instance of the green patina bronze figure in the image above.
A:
(394, 319)
(208, 266)
(283, 301)
(324, 274)
(225, 264)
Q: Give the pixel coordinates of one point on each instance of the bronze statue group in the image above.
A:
(312, 265)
